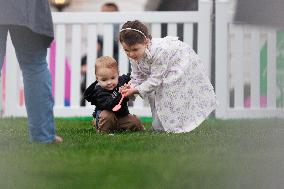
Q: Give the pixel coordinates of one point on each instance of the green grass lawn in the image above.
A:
(233, 154)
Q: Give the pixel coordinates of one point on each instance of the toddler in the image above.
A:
(104, 94)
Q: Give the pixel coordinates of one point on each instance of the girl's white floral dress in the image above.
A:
(172, 77)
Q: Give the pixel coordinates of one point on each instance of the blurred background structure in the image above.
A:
(260, 12)
(95, 5)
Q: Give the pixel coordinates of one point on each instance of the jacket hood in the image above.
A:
(89, 93)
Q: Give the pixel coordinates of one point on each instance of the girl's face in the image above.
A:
(107, 78)
(135, 52)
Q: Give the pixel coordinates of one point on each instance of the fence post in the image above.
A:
(271, 68)
(221, 58)
(11, 102)
(204, 34)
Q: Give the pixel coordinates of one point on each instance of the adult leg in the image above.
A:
(3, 39)
(31, 51)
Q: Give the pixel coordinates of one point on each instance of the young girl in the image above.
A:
(170, 74)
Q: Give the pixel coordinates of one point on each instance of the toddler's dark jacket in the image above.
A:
(105, 100)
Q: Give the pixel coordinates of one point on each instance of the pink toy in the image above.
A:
(118, 106)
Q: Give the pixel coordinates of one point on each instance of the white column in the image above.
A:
(221, 57)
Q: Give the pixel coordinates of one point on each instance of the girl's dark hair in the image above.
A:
(131, 37)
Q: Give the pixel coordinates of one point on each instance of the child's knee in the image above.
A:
(107, 121)
(138, 124)
(132, 123)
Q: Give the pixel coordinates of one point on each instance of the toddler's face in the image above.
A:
(107, 78)
(135, 52)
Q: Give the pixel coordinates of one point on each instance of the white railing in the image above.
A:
(77, 33)
(239, 51)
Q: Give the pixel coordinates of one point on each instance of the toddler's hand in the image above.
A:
(124, 87)
(127, 86)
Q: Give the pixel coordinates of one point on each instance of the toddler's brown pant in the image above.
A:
(108, 122)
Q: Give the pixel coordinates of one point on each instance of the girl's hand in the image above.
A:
(129, 90)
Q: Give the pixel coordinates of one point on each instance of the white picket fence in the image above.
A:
(238, 62)
(78, 32)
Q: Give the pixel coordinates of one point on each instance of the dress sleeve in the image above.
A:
(89, 93)
(137, 77)
(159, 64)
